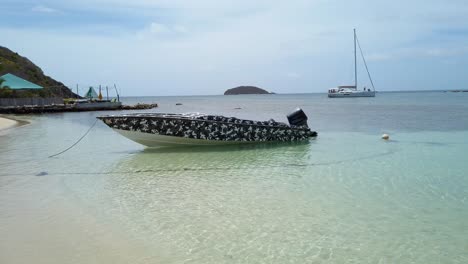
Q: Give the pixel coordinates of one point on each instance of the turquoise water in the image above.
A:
(346, 197)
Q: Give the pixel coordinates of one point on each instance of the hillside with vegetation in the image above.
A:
(12, 62)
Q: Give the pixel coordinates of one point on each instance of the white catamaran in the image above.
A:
(352, 90)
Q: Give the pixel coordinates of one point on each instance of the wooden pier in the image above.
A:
(57, 108)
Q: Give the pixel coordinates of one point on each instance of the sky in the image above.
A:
(204, 47)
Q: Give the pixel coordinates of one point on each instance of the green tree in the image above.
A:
(1, 82)
(5, 91)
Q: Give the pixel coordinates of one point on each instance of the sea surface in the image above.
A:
(346, 197)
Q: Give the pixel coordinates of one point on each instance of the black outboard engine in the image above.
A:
(297, 118)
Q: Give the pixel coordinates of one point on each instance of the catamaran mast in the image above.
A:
(355, 61)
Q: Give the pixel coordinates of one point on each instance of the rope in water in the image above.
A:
(74, 144)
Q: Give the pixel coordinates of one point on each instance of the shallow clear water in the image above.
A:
(346, 197)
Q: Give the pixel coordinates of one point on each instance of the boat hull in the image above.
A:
(168, 130)
(351, 94)
(156, 140)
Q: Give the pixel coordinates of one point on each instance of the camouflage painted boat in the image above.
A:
(160, 129)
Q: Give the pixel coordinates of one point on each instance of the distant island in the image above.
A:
(246, 90)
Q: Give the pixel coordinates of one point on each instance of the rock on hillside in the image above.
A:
(12, 62)
(245, 90)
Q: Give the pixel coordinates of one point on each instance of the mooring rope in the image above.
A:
(78, 141)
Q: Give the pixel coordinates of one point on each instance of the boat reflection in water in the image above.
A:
(246, 159)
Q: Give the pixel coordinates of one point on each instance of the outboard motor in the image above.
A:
(297, 118)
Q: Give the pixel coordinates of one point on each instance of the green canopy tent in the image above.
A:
(16, 83)
(91, 93)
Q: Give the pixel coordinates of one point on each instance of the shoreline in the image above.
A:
(7, 123)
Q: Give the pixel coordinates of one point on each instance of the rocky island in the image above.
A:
(246, 90)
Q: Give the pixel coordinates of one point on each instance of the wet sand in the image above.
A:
(43, 225)
(41, 222)
(6, 123)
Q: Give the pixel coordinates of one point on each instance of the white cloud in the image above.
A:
(162, 30)
(379, 57)
(445, 52)
(180, 29)
(419, 52)
(293, 75)
(157, 28)
(44, 9)
(219, 44)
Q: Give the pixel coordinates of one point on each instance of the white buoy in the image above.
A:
(385, 137)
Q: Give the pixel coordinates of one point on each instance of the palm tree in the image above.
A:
(1, 84)
(5, 91)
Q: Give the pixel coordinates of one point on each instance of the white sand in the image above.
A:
(43, 225)
(6, 123)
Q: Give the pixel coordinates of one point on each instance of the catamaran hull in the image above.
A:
(156, 140)
(352, 94)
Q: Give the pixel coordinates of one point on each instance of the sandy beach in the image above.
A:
(6, 123)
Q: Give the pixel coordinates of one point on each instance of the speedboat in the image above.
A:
(161, 129)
